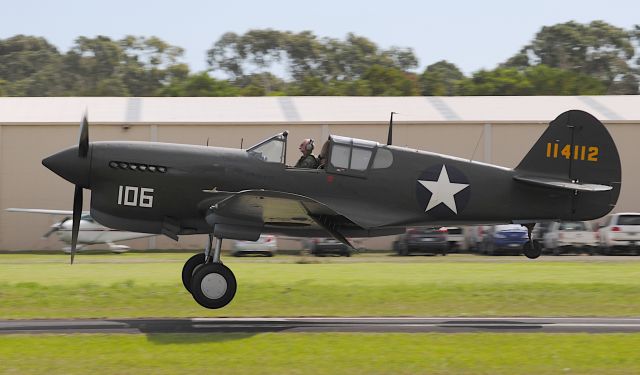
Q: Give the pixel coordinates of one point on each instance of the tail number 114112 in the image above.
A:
(577, 152)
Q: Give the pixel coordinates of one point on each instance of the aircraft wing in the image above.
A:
(282, 209)
(42, 211)
(272, 207)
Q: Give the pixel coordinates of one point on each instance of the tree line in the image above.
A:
(564, 59)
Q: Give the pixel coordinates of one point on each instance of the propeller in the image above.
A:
(83, 150)
(55, 227)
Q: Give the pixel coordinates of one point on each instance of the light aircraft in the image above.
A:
(367, 189)
(90, 232)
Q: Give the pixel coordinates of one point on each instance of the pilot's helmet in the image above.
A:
(306, 146)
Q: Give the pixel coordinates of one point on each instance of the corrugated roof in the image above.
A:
(325, 110)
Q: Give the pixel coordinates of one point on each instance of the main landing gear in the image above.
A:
(211, 283)
(532, 248)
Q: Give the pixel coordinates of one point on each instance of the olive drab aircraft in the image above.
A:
(365, 189)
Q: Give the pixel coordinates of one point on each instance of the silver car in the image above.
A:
(620, 233)
(266, 245)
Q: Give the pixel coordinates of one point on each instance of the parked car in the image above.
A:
(474, 235)
(507, 238)
(620, 233)
(455, 239)
(266, 245)
(540, 230)
(570, 237)
(422, 240)
(324, 246)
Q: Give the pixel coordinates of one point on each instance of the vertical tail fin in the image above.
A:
(575, 149)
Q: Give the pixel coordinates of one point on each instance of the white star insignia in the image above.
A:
(442, 191)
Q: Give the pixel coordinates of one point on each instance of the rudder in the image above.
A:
(576, 148)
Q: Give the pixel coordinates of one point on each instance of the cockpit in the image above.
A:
(342, 155)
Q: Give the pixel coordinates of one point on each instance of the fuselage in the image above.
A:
(184, 178)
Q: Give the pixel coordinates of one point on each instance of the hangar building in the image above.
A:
(498, 130)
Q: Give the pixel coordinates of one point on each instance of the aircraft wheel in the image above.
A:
(532, 252)
(190, 268)
(213, 285)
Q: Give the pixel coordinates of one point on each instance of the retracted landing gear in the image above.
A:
(531, 249)
(211, 283)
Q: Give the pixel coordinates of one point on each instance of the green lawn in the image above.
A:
(289, 353)
(148, 285)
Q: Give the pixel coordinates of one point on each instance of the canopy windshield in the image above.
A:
(271, 150)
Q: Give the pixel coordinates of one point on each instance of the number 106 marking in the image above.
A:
(135, 196)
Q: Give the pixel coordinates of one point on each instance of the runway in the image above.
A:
(372, 324)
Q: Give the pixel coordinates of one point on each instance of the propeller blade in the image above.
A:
(83, 142)
(77, 212)
(54, 228)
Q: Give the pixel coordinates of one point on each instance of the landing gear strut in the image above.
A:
(211, 283)
(531, 249)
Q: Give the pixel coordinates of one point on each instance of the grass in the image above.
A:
(331, 353)
(148, 285)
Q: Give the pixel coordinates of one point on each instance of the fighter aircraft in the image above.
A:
(89, 233)
(366, 189)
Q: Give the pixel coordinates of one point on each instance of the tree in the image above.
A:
(260, 84)
(440, 79)
(390, 81)
(597, 49)
(535, 80)
(201, 84)
(501, 81)
(304, 57)
(30, 66)
(135, 66)
(545, 80)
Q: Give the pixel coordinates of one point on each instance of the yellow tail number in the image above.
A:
(588, 153)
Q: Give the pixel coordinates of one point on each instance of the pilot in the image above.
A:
(307, 160)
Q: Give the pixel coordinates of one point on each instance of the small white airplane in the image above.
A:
(90, 233)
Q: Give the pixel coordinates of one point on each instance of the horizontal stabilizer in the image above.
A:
(560, 184)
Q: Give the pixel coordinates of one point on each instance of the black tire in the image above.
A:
(532, 252)
(189, 269)
(347, 253)
(268, 253)
(205, 297)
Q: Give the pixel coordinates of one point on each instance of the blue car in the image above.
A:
(504, 239)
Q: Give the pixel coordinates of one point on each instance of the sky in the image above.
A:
(473, 35)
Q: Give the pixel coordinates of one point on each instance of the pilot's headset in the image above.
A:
(308, 145)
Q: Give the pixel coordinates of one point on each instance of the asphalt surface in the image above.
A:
(373, 324)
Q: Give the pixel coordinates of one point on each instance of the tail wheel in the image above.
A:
(213, 285)
(532, 249)
(189, 269)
